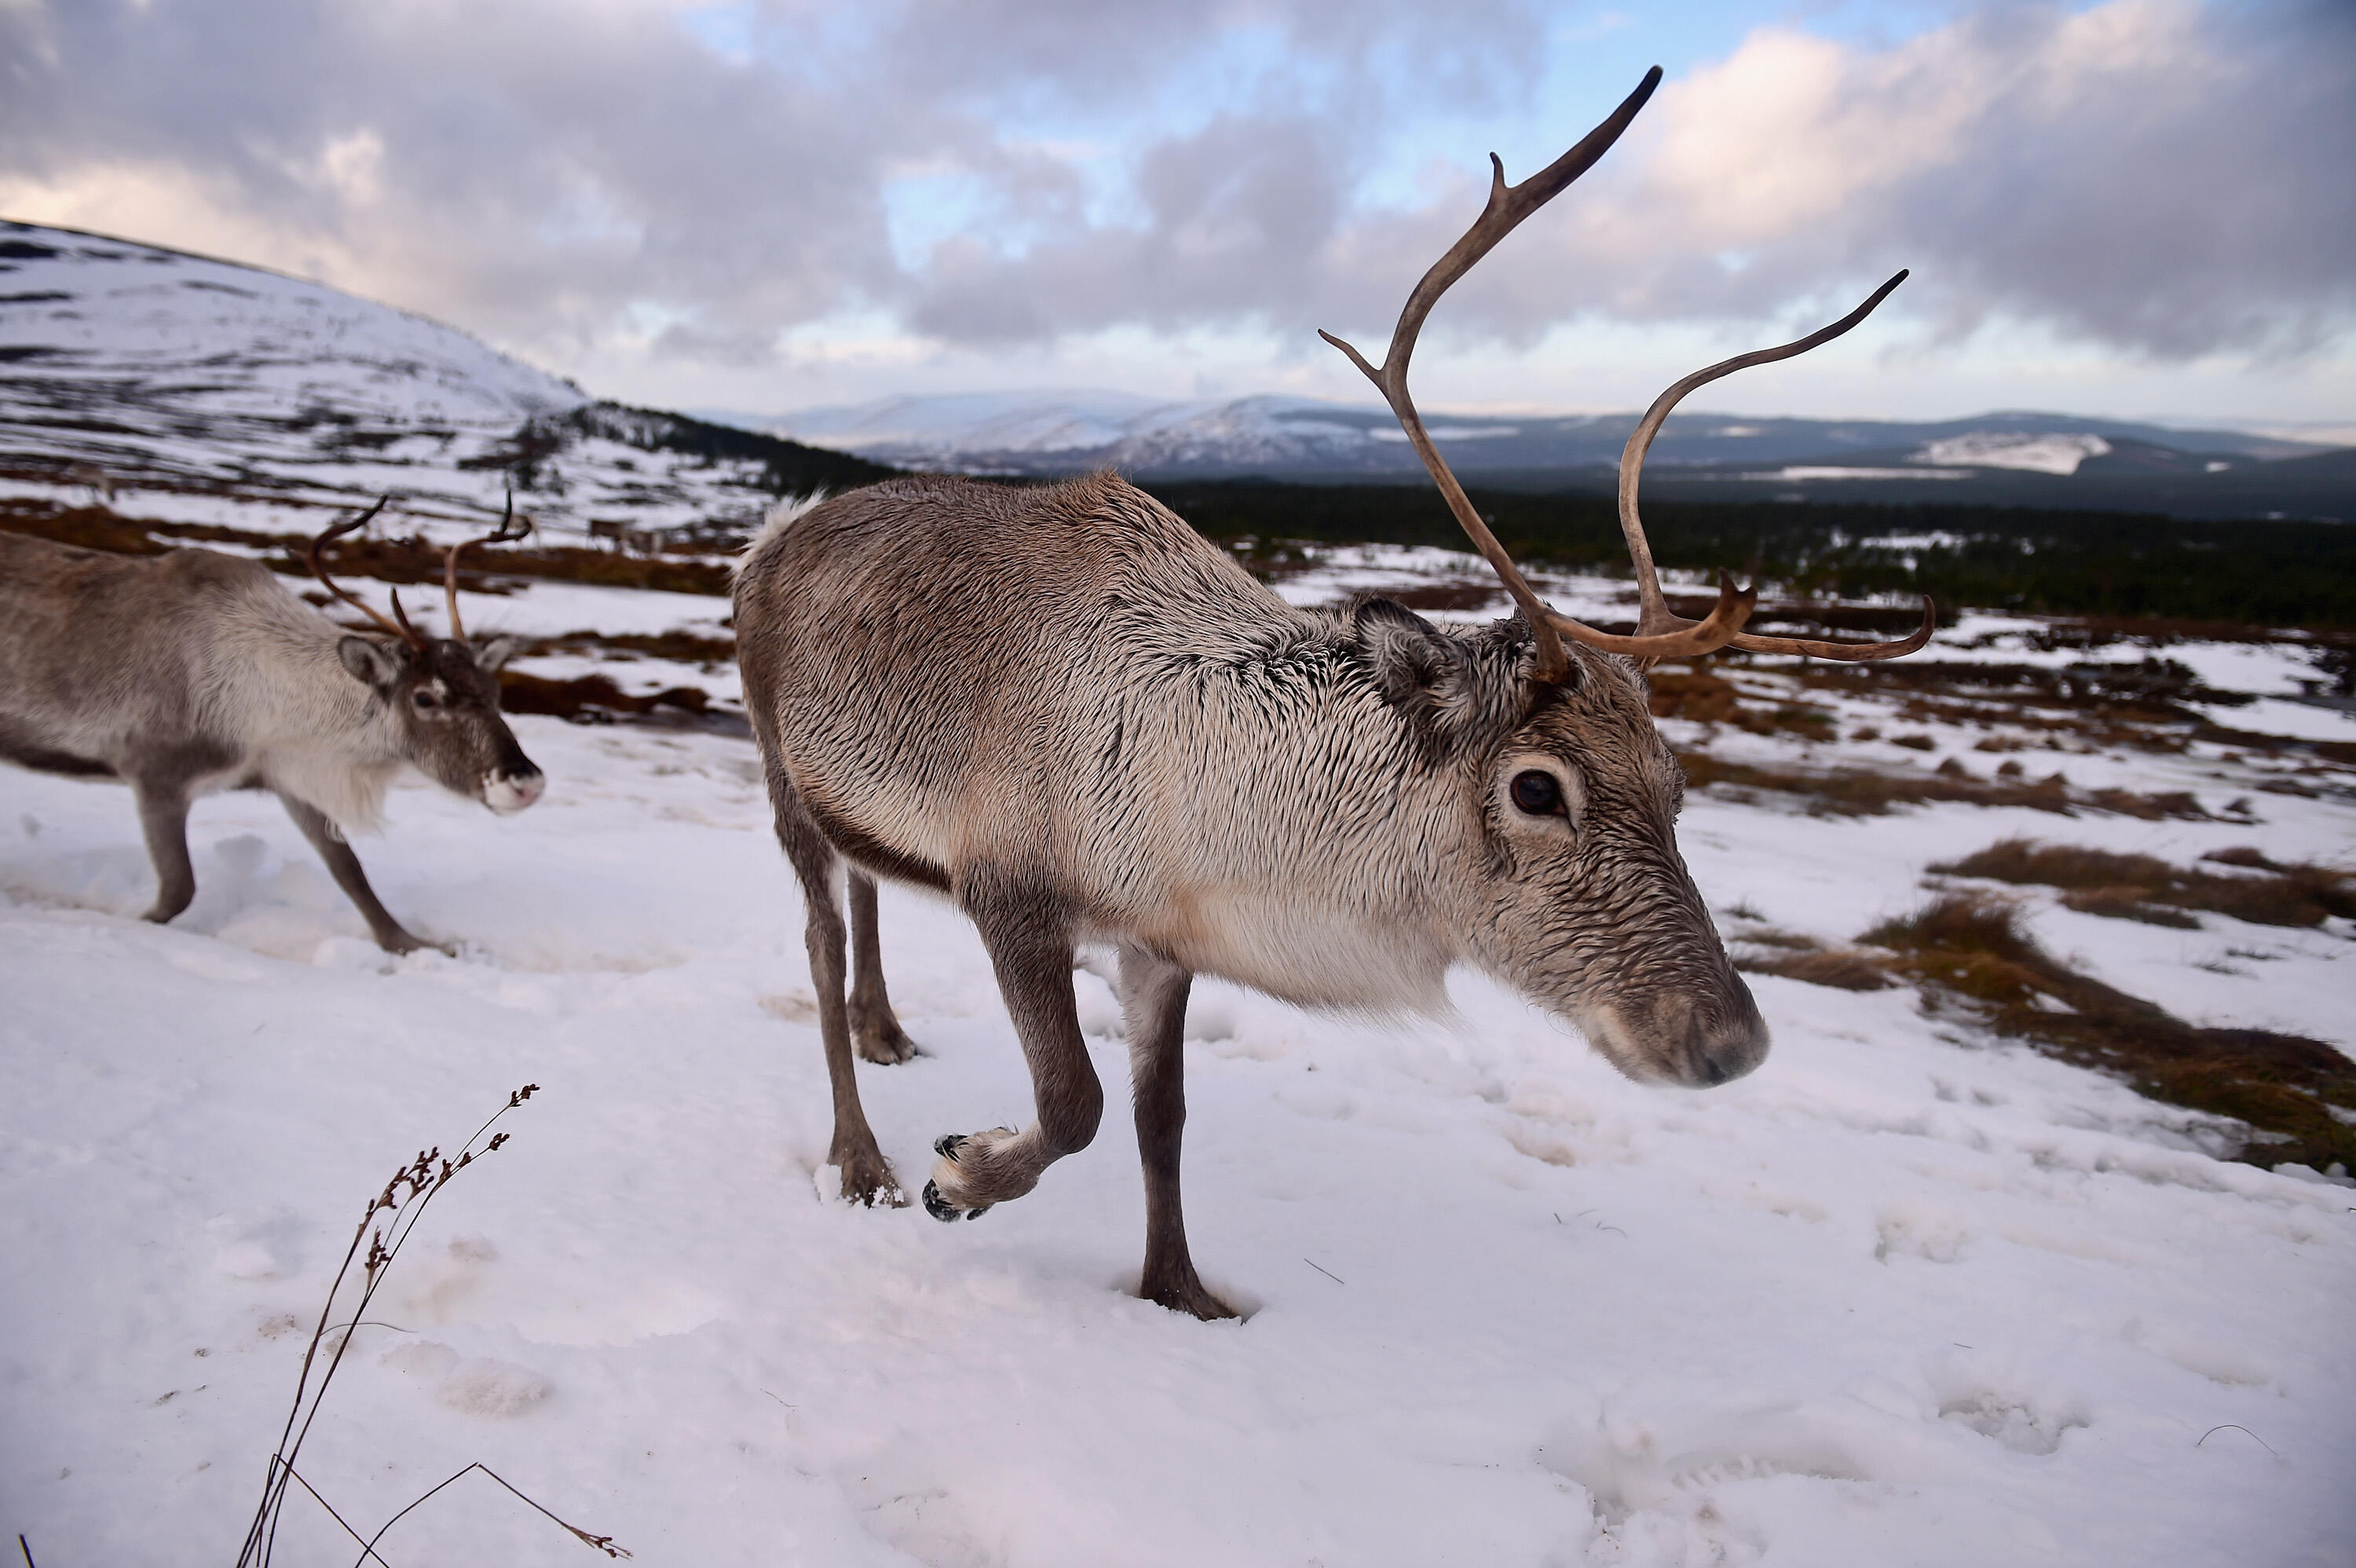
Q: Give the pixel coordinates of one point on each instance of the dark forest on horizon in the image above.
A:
(2280, 573)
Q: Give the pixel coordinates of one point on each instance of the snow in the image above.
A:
(1797, 472)
(1905, 1295)
(2033, 454)
(216, 393)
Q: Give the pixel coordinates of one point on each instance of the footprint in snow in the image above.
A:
(475, 1385)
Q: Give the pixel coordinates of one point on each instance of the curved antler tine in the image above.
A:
(1506, 206)
(1653, 614)
(416, 637)
(1688, 639)
(1846, 652)
(507, 532)
(401, 628)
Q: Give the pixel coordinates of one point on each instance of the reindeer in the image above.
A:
(1083, 723)
(96, 481)
(192, 671)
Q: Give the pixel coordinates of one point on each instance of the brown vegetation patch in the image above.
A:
(678, 647)
(1973, 952)
(394, 560)
(1864, 793)
(595, 700)
(2141, 887)
(1694, 694)
(1462, 597)
(1697, 694)
(2129, 903)
(1845, 968)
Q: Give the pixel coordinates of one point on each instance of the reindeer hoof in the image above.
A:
(946, 1212)
(885, 1044)
(937, 1203)
(867, 1179)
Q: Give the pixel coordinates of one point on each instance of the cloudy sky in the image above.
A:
(2138, 207)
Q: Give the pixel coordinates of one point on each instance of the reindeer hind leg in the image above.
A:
(866, 1175)
(875, 1030)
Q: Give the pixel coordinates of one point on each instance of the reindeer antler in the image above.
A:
(506, 531)
(1659, 634)
(1655, 618)
(1507, 206)
(399, 625)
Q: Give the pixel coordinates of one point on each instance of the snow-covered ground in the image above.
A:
(1907, 1295)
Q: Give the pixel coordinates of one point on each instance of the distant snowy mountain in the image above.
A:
(216, 392)
(2003, 458)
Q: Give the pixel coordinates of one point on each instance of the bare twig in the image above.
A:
(405, 1198)
(368, 1547)
(1329, 1273)
(2236, 1426)
(604, 1544)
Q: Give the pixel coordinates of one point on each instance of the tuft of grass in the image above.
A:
(2142, 887)
(2291, 1090)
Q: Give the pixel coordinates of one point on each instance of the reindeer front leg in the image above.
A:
(164, 820)
(345, 867)
(1031, 949)
(1154, 1002)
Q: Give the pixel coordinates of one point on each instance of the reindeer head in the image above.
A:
(1580, 899)
(442, 692)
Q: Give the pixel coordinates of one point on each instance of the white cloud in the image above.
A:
(658, 190)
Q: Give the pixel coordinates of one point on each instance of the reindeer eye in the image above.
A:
(425, 701)
(1537, 794)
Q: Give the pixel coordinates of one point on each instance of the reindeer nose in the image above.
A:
(508, 793)
(1721, 1049)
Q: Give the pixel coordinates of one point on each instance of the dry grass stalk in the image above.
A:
(403, 1201)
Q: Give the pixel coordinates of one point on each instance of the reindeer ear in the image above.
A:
(490, 653)
(371, 663)
(1423, 672)
(1408, 655)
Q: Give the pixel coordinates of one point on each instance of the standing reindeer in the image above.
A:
(1065, 710)
(192, 671)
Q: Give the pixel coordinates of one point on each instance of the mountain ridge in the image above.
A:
(2001, 457)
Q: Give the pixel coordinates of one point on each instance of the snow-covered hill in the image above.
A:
(215, 393)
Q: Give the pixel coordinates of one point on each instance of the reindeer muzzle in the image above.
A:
(508, 794)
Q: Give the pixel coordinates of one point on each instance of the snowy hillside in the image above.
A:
(218, 393)
(1700, 455)
(1912, 1292)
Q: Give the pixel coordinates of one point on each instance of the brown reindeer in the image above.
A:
(1069, 713)
(192, 671)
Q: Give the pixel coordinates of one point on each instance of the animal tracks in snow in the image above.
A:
(474, 1385)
